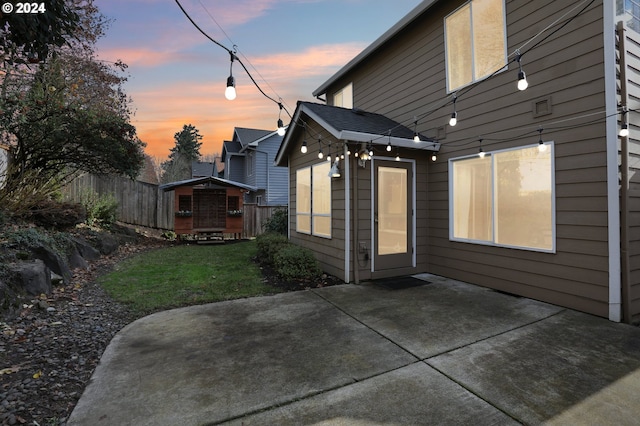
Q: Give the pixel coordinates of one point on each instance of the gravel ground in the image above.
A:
(49, 351)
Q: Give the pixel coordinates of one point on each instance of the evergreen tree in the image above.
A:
(186, 150)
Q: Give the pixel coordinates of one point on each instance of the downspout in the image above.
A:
(624, 181)
(613, 193)
(347, 214)
(356, 235)
(266, 168)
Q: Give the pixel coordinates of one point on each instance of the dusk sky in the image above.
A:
(177, 76)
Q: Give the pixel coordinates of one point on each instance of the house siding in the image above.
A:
(406, 78)
(234, 168)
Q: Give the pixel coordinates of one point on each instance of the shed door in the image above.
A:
(209, 209)
(393, 215)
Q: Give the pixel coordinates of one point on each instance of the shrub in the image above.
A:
(278, 222)
(269, 244)
(100, 208)
(296, 263)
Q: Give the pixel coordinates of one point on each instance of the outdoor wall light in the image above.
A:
(335, 170)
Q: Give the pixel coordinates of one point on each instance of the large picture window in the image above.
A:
(476, 47)
(506, 198)
(313, 200)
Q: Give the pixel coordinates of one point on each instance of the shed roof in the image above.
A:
(384, 38)
(354, 125)
(207, 180)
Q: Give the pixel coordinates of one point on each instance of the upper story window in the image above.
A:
(476, 46)
(344, 97)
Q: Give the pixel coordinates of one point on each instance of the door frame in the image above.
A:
(412, 196)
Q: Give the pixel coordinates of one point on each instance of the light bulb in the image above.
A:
(624, 130)
(389, 147)
(303, 149)
(434, 157)
(281, 130)
(230, 91)
(329, 157)
(397, 157)
(416, 138)
(454, 119)
(542, 147)
(481, 153)
(522, 81)
(320, 154)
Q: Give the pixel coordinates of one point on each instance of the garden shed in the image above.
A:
(208, 207)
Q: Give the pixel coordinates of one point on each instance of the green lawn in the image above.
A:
(186, 275)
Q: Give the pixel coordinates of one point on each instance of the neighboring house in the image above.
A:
(523, 195)
(249, 159)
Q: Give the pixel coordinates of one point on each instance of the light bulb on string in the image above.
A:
(541, 145)
(281, 129)
(454, 115)
(397, 156)
(303, 149)
(230, 91)
(434, 157)
(416, 137)
(624, 128)
(481, 153)
(522, 77)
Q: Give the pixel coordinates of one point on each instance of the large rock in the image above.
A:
(107, 243)
(54, 261)
(86, 250)
(76, 260)
(33, 276)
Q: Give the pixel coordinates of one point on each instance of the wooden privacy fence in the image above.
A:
(139, 203)
(144, 204)
(254, 217)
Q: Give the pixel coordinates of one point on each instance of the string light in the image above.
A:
(329, 155)
(230, 91)
(481, 153)
(281, 129)
(624, 128)
(303, 149)
(541, 146)
(522, 77)
(397, 156)
(416, 137)
(454, 115)
(320, 154)
(389, 144)
(434, 157)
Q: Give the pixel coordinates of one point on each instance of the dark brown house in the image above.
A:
(531, 192)
(208, 207)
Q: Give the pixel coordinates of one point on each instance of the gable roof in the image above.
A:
(388, 35)
(246, 136)
(354, 125)
(211, 180)
(230, 147)
(200, 169)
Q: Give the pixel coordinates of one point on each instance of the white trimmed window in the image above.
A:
(476, 42)
(505, 199)
(313, 200)
(344, 97)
